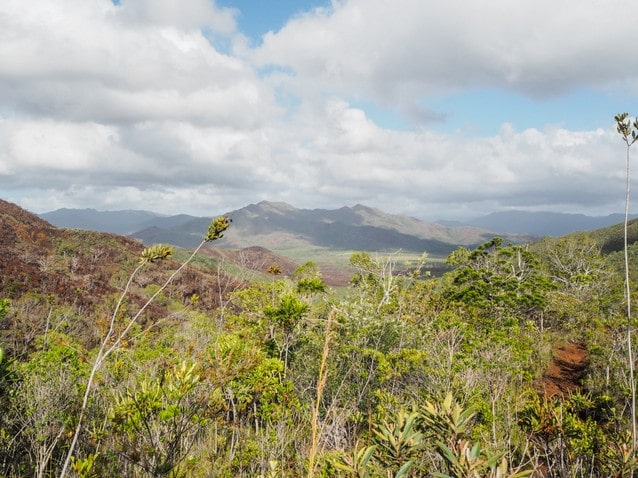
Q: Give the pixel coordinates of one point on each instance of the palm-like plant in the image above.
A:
(356, 463)
(399, 441)
(629, 131)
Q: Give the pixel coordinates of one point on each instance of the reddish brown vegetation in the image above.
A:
(255, 258)
(75, 267)
(41, 265)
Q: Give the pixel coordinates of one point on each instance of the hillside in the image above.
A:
(611, 239)
(37, 257)
(543, 223)
(82, 269)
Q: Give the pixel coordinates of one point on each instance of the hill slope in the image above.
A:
(543, 223)
(37, 257)
(82, 268)
(611, 239)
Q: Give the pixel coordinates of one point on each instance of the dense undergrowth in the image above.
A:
(400, 375)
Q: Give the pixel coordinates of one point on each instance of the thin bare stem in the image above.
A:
(99, 358)
(629, 132)
(628, 296)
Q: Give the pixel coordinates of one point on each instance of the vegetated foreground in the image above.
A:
(510, 364)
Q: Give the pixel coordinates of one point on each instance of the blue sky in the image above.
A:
(436, 110)
(485, 110)
(258, 17)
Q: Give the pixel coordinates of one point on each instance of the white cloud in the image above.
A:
(190, 168)
(85, 61)
(408, 49)
(186, 15)
(133, 106)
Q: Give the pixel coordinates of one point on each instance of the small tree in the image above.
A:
(287, 316)
(498, 281)
(308, 279)
(375, 275)
(158, 420)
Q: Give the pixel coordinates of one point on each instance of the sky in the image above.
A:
(437, 110)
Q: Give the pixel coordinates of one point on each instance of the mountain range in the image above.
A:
(35, 255)
(280, 226)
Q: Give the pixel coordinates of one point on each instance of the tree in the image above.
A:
(287, 316)
(308, 279)
(46, 398)
(502, 281)
(583, 282)
(376, 275)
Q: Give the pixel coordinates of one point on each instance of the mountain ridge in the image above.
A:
(278, 225)
(145, 224)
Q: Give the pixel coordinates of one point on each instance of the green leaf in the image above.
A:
(403, 471)
(155, 253)
(364, 456)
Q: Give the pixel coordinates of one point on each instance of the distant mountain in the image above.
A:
(280, 226)
(543, 223)
(116, 222)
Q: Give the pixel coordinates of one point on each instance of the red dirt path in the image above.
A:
(566, 371)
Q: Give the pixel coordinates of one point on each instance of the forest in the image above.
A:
(513, 363)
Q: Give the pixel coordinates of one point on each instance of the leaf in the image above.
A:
(364, 456)
(356, 463)
(475, 452)
(155, 253)
(403, 471)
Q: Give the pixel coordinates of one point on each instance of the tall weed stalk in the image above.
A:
(149, 255)
(321, 386)
(629, 132)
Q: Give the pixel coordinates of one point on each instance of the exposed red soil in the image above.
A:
(566, 371)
